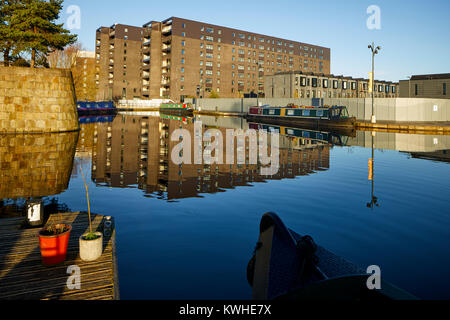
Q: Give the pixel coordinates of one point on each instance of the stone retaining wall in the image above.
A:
(37, 100)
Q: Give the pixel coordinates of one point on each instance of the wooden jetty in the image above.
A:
(23, 277)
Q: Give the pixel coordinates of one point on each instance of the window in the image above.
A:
(182, 51)
(182, 70)
(325, 83)
(201, 62)
(241, 36)
(209, 30)
(353, 85)
(183, 34)
(183, 26)
(416, 89)
(219, 32)
(183, 43)
(182, 61)
(314, 82)
(444, 89)
(209, 64)
(303, 81)
(335, 84)
(209, 38)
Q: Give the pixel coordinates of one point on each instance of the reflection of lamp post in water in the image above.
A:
(374, 200)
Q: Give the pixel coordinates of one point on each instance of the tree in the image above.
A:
(214, 95)
(35, 27)
(8, 33)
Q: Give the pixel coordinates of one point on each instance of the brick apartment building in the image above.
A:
(184, 58)
(84, 73)
(298, 84)
(119, 60)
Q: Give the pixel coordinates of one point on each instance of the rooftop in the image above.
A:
(431, 76)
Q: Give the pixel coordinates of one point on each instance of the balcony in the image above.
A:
(146, 75)
(167, 40)
(111, 62)
(167, 30)
(146, 42)
(146, 59)
(166, 48)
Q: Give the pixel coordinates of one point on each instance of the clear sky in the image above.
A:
(415, 34)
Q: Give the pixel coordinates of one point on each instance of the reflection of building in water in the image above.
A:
(35, 165)
(442, 155)
(83, 153)
(136, 151)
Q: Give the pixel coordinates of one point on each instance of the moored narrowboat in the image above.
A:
(181, 109)
(325, 117)
(96, 108)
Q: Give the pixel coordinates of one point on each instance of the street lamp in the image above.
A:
(375, 50)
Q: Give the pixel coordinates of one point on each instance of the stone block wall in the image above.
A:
(37, 100)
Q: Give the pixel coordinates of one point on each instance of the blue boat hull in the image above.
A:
(96, 108)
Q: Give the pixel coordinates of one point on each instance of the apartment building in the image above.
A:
(185, 58)
(118, 62)
(299, 84)
(434, 86)
(84, 75)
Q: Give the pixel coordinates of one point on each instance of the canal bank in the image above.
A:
(37, 100)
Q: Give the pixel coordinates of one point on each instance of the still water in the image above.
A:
(188, 233)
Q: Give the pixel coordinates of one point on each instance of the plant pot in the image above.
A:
(54, 248)
(91, 250)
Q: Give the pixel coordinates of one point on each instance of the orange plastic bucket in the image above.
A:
(54, 248)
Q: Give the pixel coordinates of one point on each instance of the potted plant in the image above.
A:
(91, 243)
(53, 242)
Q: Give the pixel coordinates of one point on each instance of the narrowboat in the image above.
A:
(318, 117)
(288, 266)
(96, 108)
(181, 109)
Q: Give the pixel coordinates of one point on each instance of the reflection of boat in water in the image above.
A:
(96, 119)
(313, 117)
(182, 109)
(308, 134)
(96, 108)
(288, 266)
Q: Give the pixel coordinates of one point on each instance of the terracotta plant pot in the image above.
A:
(91, 250)
(54, 247)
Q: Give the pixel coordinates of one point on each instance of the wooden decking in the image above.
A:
(23, 277)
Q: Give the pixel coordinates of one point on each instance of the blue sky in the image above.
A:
(414, 34)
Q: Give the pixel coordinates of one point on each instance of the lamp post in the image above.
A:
(375, 51)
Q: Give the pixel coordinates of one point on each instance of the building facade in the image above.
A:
(298, 84)
(118, 62)
(184, 58)
(434, 86)
(84, 76)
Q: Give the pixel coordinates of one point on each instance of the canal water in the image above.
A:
(188, 232)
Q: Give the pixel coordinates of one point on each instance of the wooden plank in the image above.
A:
(23, 277)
